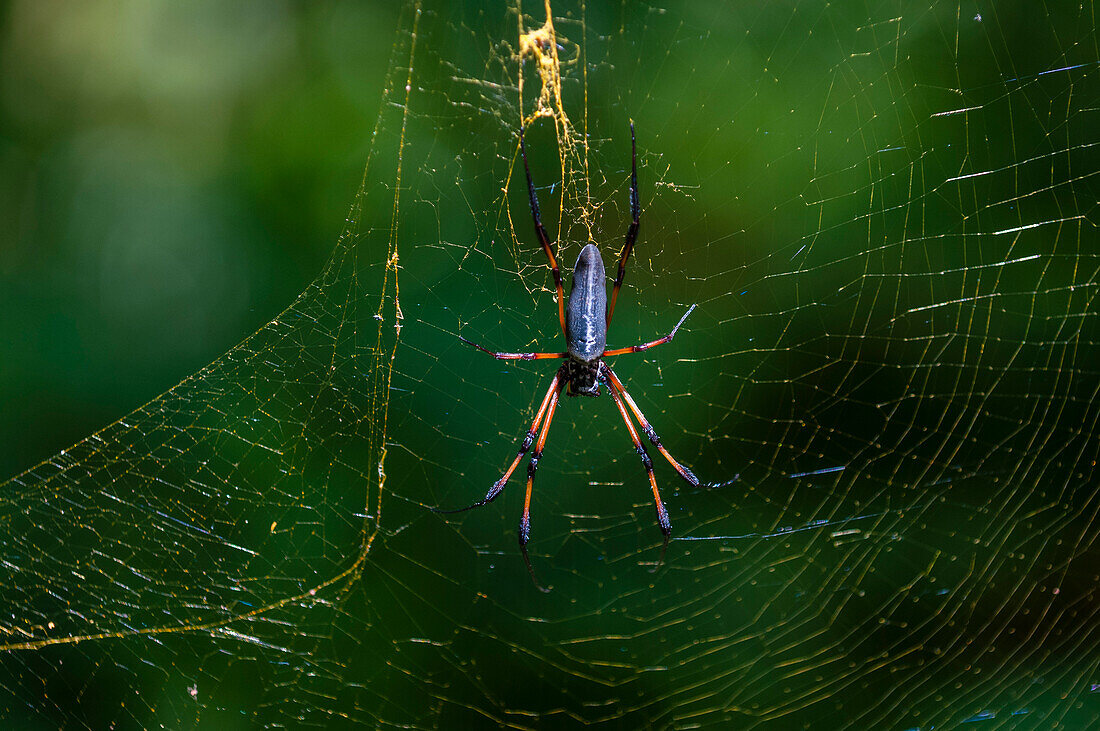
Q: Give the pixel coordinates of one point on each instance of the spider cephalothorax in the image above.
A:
(583, 378)
(584, 323)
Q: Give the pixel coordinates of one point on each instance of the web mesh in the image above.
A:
(888, 222)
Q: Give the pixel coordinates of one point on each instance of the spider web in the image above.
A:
(887, 219)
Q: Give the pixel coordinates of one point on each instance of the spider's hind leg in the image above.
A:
(662, 513)
(528, 440)
(525, 522)
(616, 386)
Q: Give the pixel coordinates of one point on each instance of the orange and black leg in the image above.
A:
(528, 440)
(540, 230)
(652, 344)
(632, 232)
(647, 428)
(662, 513)
(525, 521)
(514, 356)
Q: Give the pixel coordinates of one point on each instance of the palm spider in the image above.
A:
(584, 322)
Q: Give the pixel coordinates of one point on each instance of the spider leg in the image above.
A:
(662, 514)
(647, 428)
(541, 231)
(653, 343)
(514, 356)
(632, 232)
(528, 440)
(525, 521)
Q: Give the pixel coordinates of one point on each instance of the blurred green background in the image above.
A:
(171, 177)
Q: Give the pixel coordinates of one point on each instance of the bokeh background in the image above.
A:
(170, 178)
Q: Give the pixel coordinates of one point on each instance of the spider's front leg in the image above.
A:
(540, 231)
(632, 232)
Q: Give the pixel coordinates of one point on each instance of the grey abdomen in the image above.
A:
(586, 313)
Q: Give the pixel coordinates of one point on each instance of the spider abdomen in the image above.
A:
(586, 313)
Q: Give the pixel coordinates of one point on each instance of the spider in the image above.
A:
(584, 322)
